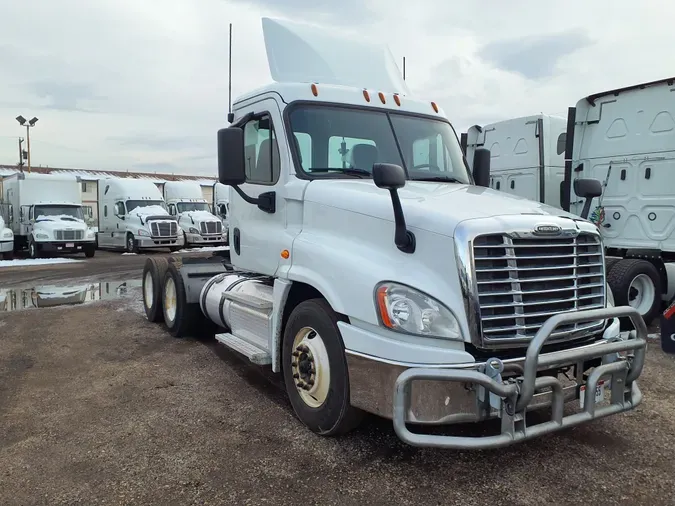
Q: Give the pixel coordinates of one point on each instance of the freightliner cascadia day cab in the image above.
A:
(376, 273)
(6, 234)
(527, 155)
(221, 199)
(186, 202)
(47, 214)
(132, 216)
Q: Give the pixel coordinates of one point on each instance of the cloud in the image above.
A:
(534, 56)
(155, 72)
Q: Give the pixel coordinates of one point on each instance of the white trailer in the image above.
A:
(186, 202)
(376, 273)
(133, 216)
(221, 205)
(47, 214)
(527, 155)
(626, 138)
(6, 234)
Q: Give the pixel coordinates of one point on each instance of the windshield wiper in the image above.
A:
(444, 179)
(350, 171)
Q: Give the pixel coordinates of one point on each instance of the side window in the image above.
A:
(119, 208)
(344, 152)
(105, 211)
(562, 140)
(172, 209)
(261, 152)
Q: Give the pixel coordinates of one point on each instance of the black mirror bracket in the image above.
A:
(403, 238)
(265, 201)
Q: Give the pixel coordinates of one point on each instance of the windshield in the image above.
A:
(184, 207)
(61, 211)
(349, 141)
(133, 204)
(4, 213)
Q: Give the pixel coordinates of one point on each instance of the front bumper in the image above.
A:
(6, 246)
(145, 242)
(203, 240)
(64, 246)
(459, 393)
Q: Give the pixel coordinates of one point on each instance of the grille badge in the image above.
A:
(546, 229)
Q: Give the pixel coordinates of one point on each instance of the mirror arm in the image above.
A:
(403, 238)
(265, 201)
(587, 208)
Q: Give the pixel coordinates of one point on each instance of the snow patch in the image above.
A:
(58, 217)
(200, 216)
(149, 211)
(129, 253)
(205, 248)
(37, 261)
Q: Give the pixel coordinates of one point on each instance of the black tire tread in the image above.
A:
(187, 315)
(619, 278)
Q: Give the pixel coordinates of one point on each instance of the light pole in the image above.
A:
(23, 122)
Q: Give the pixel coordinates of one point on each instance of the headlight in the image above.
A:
(610, 295)
(193, 230)
(7, 234)
(143, 232)
(40, 235)
(404, 309)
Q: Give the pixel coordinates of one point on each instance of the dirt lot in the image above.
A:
(98, 406)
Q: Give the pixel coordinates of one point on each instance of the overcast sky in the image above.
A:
(142, 84)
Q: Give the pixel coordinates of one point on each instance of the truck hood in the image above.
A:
(435, 207)
(197, 216)
(59, 223)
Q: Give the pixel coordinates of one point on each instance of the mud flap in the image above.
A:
(668, 329)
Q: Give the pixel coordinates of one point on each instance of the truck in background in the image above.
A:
(47, 212)
(221, 205)
(186, 202)
(527, 155)
(373, 271)
(6, 234)
(626, 139)
(133, 216)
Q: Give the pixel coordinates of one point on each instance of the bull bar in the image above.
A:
(513, 396)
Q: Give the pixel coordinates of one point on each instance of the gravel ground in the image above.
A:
(98, 406)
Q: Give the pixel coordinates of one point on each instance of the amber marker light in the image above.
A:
(285, 254)
(315, 90)
(381, 95)
(397, 100)
(366, 95)
(382, 305)
(433, 104)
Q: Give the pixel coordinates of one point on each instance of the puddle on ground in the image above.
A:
(42, 296)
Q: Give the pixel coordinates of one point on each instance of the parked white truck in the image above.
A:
(133, 216)
(48, 216)
(221, 205)
(6, 234)
(186, 202)
(527, 155)
(371, 269)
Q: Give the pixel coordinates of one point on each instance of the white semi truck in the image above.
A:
(6, 234)
(133, 216)
(376, 273)
(221, 203)
(186, 202)
(48, 216)
(624, 138)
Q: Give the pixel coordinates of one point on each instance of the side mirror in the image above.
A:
(231, 168)
(388, 176)
(481, 167)
(588, 189)
(392, 177)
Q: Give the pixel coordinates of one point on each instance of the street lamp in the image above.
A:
(23, 122)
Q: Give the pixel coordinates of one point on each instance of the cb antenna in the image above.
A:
(404, 68)
(230, 116)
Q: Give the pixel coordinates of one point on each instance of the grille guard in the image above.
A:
(514, 395)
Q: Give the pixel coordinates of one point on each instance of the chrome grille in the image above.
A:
(164, 228)
(521, 282)
(211, 227)
(68, 235)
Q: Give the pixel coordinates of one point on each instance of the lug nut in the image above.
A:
(296, 354)
(296, 376)
(294, 364)
(310, 383)
(301, 384)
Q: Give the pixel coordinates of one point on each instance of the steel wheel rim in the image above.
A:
(310, 367)
(148, 294)
(170, 305)
(644, 291)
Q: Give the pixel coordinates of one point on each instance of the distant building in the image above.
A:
(90, 178)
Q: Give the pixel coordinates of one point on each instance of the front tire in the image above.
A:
(636, 283)
(89, 251)
(131, 245)
(315, 370)
(33, 249)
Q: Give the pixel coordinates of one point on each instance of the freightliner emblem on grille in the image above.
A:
(547, 230)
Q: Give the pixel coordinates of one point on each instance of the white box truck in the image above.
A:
(6, 234)
(48, 216)
(376, 273)
(186, 202)
(221, 199)
(527, 155)
(133, 216)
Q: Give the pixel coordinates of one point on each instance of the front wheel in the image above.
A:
(315, 370)
(89, 251)
(32, 249)
(131, 246)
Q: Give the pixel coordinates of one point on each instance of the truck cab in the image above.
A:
(376, 272)
(133, 216)
(6, 234)
(187, 204)
(48, 215)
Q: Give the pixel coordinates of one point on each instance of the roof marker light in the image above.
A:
(315, 91)
(366, 95)
(397, 99)
(433, 104)
(381, 95)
